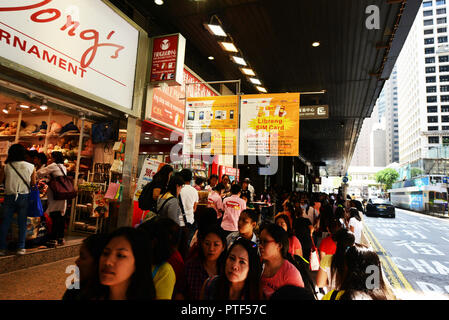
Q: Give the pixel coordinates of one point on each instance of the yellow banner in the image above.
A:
(269, 124)
(211, 125)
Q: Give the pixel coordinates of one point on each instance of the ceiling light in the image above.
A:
(161, 152)
(261, 89)
(239, 60)
(216, 30)
(156, 140)
(147, 132)
(6, 110)
(147, 138)
(24, 106)
(210, 58)
(165, 139)
(248, 72)
(33, 109)
(316, 44)
(228, 46)
(144, 152)
(159, 2)
(255, 81)
(43, 106)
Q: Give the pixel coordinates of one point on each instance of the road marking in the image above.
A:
(392, 278)
(398, 273)
(445, 239)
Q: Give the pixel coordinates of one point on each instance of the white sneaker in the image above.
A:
(21, 252)
(2, 252)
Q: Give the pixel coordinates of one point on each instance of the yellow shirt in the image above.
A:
(164, 281)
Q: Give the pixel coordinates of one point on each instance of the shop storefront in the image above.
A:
(76, 87)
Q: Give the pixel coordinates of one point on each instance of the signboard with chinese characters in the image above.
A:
(269, 125)
(314, 112)
(168, 59)
(83, 46)
(211, 125)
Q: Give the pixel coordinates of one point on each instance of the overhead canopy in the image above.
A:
(275, 38)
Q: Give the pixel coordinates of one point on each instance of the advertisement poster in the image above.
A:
(149, 169)
(269, 125)
(168, 59)
(210, 125)
(168, 102)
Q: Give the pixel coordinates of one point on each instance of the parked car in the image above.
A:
(380, 207)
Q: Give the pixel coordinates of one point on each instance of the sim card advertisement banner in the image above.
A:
(211, 125)
(269, 125)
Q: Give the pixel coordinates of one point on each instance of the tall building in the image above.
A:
(423, 84)
(362, 151)
(390, 114)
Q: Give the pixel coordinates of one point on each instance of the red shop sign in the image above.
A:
(168, 59)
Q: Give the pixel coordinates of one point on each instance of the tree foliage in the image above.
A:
(387, 177)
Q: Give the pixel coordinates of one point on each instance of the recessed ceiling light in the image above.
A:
(144, 152)
(316, 44)
(210, 58)
(255, 81)
(156, 140)
(6, 110)
(147, 132)
(261, 89)
(239, 60)
(24, 106)
(161, 152)
(147, 138)
(228, 46)
(248, 72)
(216, 30)
(165, 139)
(159, 2)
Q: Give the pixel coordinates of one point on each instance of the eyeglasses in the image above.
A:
(264, 242)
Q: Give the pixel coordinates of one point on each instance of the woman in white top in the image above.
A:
(355, 224)
(19, 176)
(56, 208)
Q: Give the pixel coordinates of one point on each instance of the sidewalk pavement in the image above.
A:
(43, 282)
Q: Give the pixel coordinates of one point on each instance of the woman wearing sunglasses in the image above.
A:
(278, 271)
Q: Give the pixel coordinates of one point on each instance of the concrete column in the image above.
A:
(129, 177)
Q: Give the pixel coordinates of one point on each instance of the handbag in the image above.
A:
(62, 187)
(314, 258)
(35, 208)
(117, 166)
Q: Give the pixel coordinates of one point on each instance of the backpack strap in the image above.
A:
(156, 269)
(28, 186)
(182, 210)
(163, 204)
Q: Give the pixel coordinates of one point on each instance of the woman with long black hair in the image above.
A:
(19, 176)
(278, 271)
(125, 265)
(240, 277)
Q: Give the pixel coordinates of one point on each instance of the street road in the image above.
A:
(414, 251)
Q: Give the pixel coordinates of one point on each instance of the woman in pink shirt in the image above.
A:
(278, 271)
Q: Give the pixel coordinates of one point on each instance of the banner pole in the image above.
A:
(238, 84)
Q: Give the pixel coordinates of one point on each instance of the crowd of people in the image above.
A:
(223, 250)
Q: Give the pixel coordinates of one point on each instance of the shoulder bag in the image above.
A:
(62, 187)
